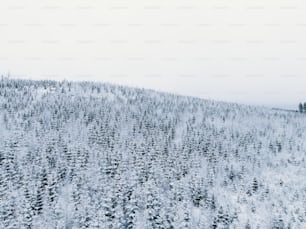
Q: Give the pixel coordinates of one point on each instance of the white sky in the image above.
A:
(243, 51)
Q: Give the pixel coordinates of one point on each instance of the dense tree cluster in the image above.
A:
(302, 107)
(89, 155)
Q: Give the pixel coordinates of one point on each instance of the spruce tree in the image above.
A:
(301, 108)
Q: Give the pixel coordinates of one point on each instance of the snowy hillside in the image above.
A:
(88, 155)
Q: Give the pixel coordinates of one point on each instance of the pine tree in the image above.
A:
(153, 209)
(301, 108)
(129, 209)
(110, 204)
(254, 185)
(27, 210)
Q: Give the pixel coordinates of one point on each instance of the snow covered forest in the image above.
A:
(93, 155)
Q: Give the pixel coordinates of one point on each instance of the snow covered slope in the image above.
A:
(89, 155)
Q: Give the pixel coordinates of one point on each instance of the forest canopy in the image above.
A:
(93, 155)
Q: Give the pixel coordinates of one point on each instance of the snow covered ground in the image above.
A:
(89, 155)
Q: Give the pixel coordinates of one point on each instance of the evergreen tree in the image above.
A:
(301, 108)
(254, 185)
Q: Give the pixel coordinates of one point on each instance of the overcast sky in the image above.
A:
(242, 51)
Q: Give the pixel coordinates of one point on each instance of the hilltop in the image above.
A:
(93, 155)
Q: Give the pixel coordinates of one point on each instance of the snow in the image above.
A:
(90, 155)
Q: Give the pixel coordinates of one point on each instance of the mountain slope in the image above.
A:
(89, 155)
